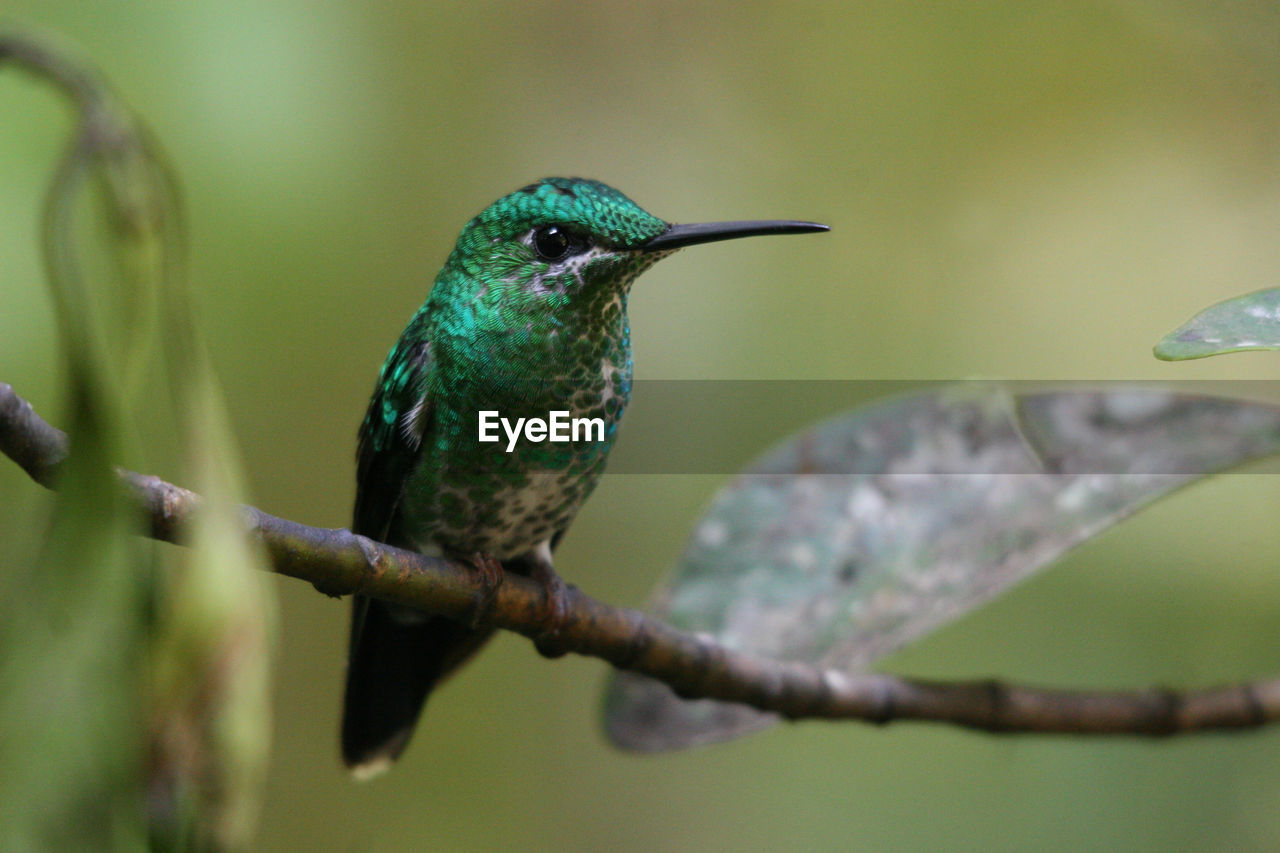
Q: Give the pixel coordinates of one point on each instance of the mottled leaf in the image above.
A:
(878, 526)
(1249, 322)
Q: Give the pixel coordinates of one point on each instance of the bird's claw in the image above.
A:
(489, 575)
(554, 613)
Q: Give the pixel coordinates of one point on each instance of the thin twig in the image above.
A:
(28, 439)
(338, 563)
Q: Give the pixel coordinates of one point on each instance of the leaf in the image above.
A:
(1249, 322)
(133, 696)
(209, 700)
(75, 621)
(72, 627)
(878, 526)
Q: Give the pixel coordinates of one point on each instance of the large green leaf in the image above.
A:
(878, 526)
(1249, 322)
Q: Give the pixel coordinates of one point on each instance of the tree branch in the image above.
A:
(338, 562)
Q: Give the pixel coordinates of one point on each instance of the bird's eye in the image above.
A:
(553, 243)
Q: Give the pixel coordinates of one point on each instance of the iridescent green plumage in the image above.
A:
(528, 316)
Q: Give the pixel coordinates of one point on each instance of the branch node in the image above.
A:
(639, 640)
(699, 666)
(1167, 719)
(1255, 707)
(795, 696)
(373, 560)
(884, 708)
(997, 702)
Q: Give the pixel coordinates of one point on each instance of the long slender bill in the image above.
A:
(678, 236)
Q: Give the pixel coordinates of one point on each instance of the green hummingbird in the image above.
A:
(528, 317)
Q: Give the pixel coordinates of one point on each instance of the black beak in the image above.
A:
(678, 236)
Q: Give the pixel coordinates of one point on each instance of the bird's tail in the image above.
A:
(397, 655)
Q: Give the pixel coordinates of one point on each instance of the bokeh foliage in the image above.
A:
(133, 682)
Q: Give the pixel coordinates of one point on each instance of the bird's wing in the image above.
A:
(396, 655)
(392, 433)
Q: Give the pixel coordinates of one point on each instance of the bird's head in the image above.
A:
(570, 245)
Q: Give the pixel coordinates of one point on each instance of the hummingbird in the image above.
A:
(528, 316)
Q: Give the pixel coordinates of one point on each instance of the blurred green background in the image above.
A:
(1021, 190)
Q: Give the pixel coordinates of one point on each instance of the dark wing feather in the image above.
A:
(396, 654)
(392, 432)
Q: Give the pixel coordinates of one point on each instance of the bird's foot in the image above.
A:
(555, 610)
(489, 574)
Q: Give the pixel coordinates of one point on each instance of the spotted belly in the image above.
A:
(490, 514)
(465, 496)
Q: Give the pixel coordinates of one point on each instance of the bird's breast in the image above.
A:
(549, 439)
